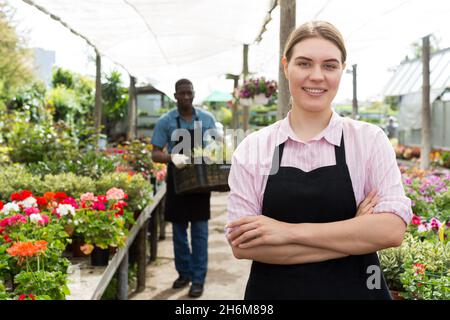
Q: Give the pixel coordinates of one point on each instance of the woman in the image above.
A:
(294, 209)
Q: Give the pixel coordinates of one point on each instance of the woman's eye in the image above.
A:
(304, 64)
(331, 66)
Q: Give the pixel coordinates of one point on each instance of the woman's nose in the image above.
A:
(316, 73)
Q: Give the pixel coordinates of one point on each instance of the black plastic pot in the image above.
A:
(99, 257)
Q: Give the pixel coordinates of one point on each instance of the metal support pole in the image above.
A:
(154, 234)
(122, 282)
(162, 220)
(142, 257)
(287, 24)
(355, 92)
(426, 107)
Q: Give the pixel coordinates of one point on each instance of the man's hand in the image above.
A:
(367, 205)
(179, 160)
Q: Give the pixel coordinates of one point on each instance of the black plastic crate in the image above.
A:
(201, 178)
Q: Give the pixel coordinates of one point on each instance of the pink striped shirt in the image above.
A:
(369, 155)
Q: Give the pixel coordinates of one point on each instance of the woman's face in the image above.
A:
(314, 73)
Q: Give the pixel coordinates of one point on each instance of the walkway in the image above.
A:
(226, 277)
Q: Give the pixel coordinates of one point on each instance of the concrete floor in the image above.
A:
(226, 278)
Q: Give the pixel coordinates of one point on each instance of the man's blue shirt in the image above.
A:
(167, 124)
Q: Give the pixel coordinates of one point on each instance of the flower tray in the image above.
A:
(202, 178)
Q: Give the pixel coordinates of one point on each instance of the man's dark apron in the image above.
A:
(188, 207)
(319, 196)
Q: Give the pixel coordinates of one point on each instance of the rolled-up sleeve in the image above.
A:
(243, 197)
(384, 176)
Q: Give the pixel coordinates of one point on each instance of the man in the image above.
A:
(184, 209)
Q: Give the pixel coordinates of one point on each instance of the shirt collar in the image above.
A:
(177, 114)
(332, 133)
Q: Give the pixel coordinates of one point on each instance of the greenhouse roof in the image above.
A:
(408, 76)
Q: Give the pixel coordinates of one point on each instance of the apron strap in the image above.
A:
(340, 152)
(276, 159)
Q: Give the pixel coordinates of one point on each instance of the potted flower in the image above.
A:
(101, 223)
(38, 278)
(257, 91)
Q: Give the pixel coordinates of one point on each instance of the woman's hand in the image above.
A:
(258, 230)
(367, 205)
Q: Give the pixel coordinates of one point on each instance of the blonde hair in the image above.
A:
(315, 29)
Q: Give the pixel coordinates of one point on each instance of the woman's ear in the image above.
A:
(284, 62)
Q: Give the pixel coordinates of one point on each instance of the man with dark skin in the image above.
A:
(182, 210)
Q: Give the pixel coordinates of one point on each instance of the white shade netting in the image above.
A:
(160, 41)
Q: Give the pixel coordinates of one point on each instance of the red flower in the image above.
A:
(419, 268)
(41, 201)
(102, 199)
(1, 205)
(32, 297)
(416, 220)
(7, 238)
(60, 196)
(21, 195)
(22, 297)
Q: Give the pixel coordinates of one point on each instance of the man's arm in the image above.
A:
(158, 155)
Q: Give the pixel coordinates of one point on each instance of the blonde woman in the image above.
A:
(325, 193)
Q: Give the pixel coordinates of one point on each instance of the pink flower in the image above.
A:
(98, 206)
(12, 220)
(416, 220)
(424, 227)
(435, 223)
(88, 196)
(31, 210)
(44, 219)
(115, 194)
(71, 201)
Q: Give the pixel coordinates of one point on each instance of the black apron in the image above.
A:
(319, 196)
(188, 207)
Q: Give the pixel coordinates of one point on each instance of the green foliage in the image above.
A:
(426, 274)
(88, 164)
(3, 294)
(62, 77)
(71, 99)
(139, 189)
(392, 262)
(224, 116)
(30, 101)
(42, 283)
(137, 156)
(15, 177)
(36, 142)
(399, 267)
(15, 62)
(115, 97)
(69, 183)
